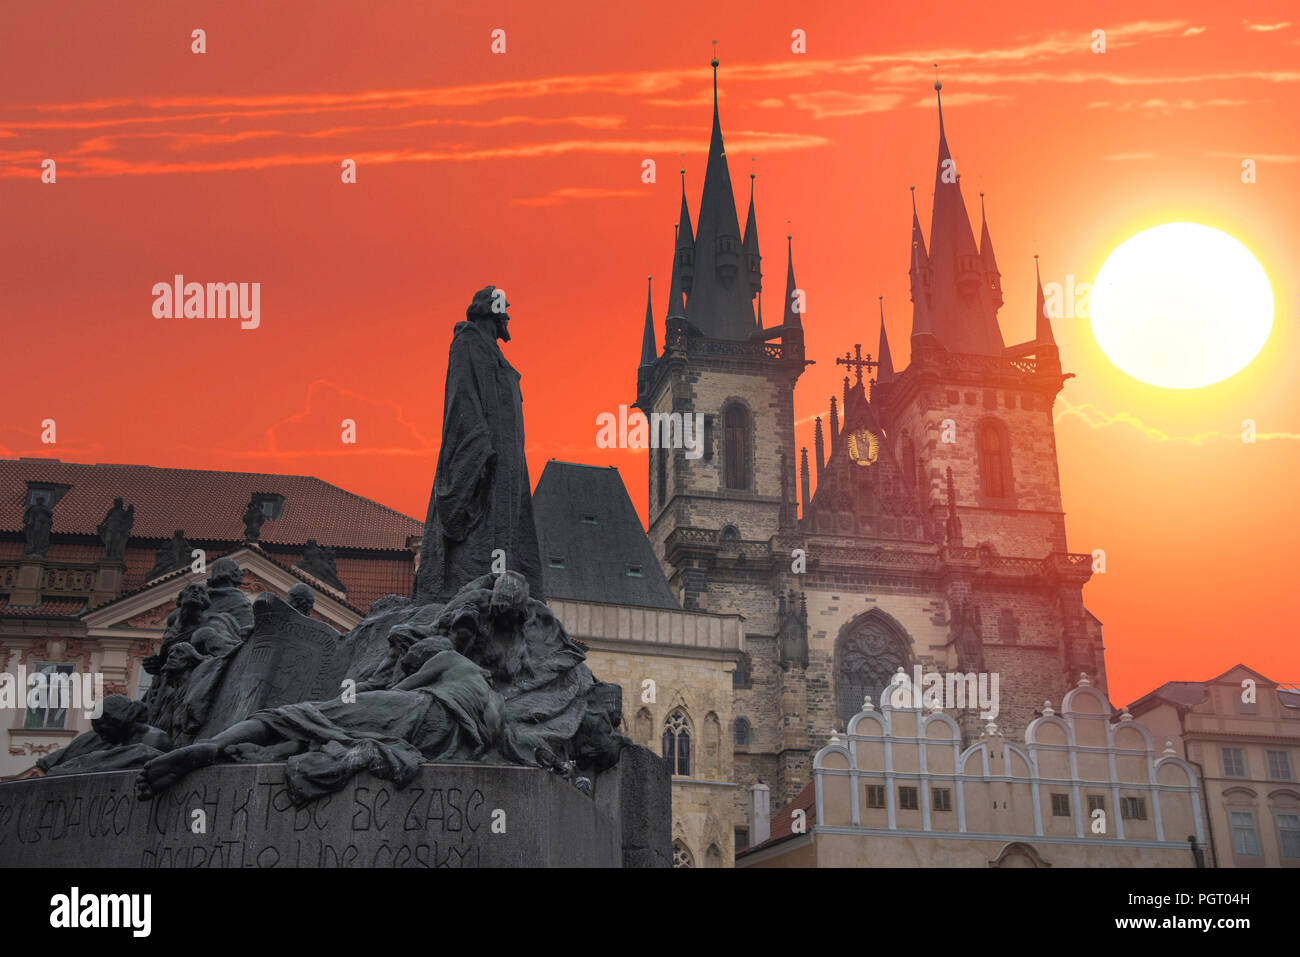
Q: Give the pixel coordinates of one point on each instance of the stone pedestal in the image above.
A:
(451, 815)
(637, 793)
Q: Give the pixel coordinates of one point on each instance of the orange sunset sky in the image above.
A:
(524, 169)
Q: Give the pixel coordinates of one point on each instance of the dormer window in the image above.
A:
(47, 493)
(555, 561)
(589, 520)
(271, 504)
(634, 571)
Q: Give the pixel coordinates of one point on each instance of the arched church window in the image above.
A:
(909, 460)
(995, 460)
(736, 422)
(742, 732)
(682, 856)
(867, 657)
(730, 533)
(677, 742)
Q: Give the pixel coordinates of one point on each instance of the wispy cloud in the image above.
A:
(1265, 157)
(1265, 27)
(1095, 418)
(121, 134)
(828, 103)
(1125, 157)
(1160, 105)
(570, 193)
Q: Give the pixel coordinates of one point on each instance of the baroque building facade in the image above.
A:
(924, 530)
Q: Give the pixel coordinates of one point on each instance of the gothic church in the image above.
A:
(933, 534)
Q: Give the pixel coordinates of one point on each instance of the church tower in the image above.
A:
(710, 507)
(923, 531)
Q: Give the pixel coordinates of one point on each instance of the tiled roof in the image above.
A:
(783, 823)
(1186, 694)
(51, 608)
(586, 521)
(208, 505)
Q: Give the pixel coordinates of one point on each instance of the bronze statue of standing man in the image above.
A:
(480, 511)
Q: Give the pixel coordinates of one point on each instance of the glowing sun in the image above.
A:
(1181, 306)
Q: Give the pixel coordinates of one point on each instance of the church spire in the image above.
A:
(720, 304)
(990, 261)
(961, 311)
(791, 316)
(649, 352)
(679, 287)
(885, 369)
(1042, 322)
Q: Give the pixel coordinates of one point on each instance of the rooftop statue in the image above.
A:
(115, 529)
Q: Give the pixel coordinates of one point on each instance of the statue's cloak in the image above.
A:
(482, 498)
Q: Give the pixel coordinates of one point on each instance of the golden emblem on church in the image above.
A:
(864, 447)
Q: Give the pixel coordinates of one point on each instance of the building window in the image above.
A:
(730, 534)
(942, 799)
(52, 712)
(1060, 805)
(908, 798)
(677, 743)
(708, 438)
(662, 475)
(742, 839)
(555, 561)
(740, 677)
(736, 465)
(45, 493)
(143, 685)
(875, 795)
(589, 520)
(1234, 762)
(742, 732)
(682, 856)
(1288, 835)
(994, 456)
(1279, 765)
(867, 657)
(1133, 808)
(1008, 627)
(1245, 839)
(1096, 803)
(271, 504)
(634, 570)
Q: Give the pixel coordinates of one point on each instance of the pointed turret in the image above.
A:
(679, 288)
(753, 260)
(961, 312)
(820, 446)
(804, 496)
(649, 352)
(1042, 322)
(991, 274)
(919, 274)
(719, 304)
(791, 316)
(885, 370)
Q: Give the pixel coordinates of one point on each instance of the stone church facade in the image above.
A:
(925, 528)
